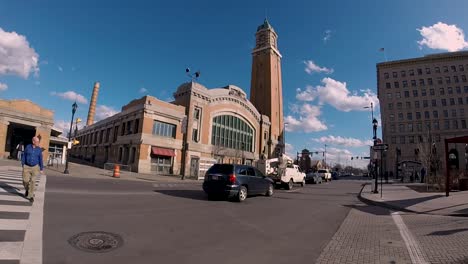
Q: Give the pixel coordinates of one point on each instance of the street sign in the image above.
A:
(381, 147)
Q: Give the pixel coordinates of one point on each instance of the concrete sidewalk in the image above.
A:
(400, 197)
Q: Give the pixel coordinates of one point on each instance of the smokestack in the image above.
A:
(92, 105)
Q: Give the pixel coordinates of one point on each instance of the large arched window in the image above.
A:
(232, 132)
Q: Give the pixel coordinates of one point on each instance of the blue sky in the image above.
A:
(135, 48)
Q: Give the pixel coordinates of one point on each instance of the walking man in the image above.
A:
(32, 166)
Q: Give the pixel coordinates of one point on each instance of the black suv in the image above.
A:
(236, 182)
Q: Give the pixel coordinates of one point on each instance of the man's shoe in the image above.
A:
(31, 199)
(26, 194)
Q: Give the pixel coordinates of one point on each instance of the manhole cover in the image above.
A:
(96, 241)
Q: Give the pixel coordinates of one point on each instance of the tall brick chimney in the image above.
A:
(92, 105)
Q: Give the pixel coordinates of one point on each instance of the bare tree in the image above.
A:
(427, 154)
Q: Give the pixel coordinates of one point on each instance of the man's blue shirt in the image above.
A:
(32, 156)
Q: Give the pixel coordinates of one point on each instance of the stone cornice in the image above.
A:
(426, 59)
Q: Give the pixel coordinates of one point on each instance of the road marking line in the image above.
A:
(414, 249)
(14, 198)
(10, 250)
(13, 224)
(32, 249)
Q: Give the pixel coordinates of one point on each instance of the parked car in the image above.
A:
(314, 178)
(236, 182)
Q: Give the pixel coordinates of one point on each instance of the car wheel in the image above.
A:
(270, 190)
(290, 185)
(303, 183)
(242, 195)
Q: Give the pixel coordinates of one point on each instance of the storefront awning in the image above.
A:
(162, 151)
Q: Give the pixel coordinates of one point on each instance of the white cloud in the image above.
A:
(103, 111)
(142, 90)
(311, 67)
(60, 68)
(290, 150)
(343, 141)
(442, 36)
(327, 35)
(337, 95)
(3, 87)
(308, 120)
(64, 126)
(16, 56)
(71, 96)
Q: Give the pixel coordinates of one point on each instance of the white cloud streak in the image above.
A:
(307, 121)
(16, 56)
(3, 87)
(336, 94)
(143, 90)
(327, 36)
(343, 141)
(311, 67)
(60, 68)
(443, 37)
(104, 111)
(71, 96)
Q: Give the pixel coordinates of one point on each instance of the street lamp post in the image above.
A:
(74, 107)
(374, 128)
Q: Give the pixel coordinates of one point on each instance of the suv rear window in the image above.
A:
(322, 171)
(221, 169)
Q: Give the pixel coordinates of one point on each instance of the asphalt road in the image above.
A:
(175, 223)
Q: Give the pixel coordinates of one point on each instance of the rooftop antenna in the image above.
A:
(193, 76)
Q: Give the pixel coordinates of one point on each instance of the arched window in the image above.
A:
(232, 132)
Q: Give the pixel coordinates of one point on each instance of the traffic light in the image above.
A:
(75, 142)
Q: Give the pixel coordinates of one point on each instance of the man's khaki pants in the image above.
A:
(29, 179)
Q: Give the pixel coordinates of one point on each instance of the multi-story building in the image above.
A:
(200, 127)
(422, 102)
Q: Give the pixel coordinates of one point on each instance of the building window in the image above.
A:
(418, 115)
(435, 114)
(408, 105)
(403, 74)
(161, 164)
(454, 113)
(419, 71)
(465, 89)
(136, 129)
(196, 113)
(415, 93)
(437, 69)
(389, 96)
(416, 104)
(447, 80)
(420, 139)
(232, 132)
(458, 89)
(426, 114)
(406, 94)
(454, 69)
(399, 105)
(436, 125)
(388, 85)
(413, 83)
(429, 81)
(452, 101)
(455, 124)
(432, 91)
(460, 100)
(402, 140)
(463, 78)
(398, 95)
(120, 154)
(450, 90)
(392, 117)
(386, 76)
(133, 155)
(428, 70)
(421, 82)
(444, 102)
(395, 75)
(423, 92)
(401, 128)
(445, 68)
(460, 67)
(390, 106)
(195, 135)
(419, 127)
(434, 102)
(446, 124)
(411, 139)
(164, 129)
(425, 103)
(129, 127)
(462, 112)
(466, 100)
(397, 85)
(428, 126)
(441, 91)
(463, 123)
(392, 128)
(446, 113)
(409, 116)
(400, 116)
(122, 132)
(101, 136)
(405, 83)
(410, 127)
(393, 140)
(455, 79)
(116, 133)
(411, 72)
(439, 80)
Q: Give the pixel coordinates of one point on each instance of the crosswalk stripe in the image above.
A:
(13, 224)
(15, 208)
(14, 198)
(10, 250)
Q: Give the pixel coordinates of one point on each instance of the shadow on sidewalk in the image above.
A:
(410, 202)
(370, 209)
(447, 232)
(10, 189)
(189, 194)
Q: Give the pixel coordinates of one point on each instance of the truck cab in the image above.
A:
(282, 171)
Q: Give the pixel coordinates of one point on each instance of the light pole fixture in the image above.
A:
(372, 109)
(375, 123)
(74, 107)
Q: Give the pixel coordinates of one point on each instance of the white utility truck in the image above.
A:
(282, 171)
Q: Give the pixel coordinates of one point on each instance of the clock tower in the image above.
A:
(266, 91)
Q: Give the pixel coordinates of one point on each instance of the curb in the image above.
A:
(397, 208)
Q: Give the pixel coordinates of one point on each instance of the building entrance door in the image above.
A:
(194, 166)
(17, 133)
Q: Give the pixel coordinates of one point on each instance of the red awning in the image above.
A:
(162, 151)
